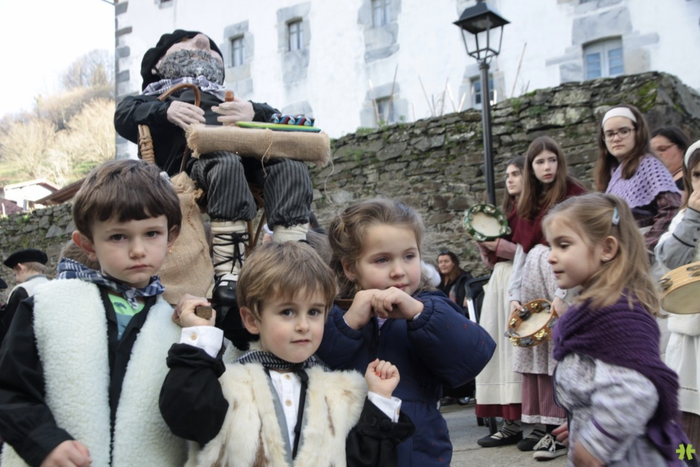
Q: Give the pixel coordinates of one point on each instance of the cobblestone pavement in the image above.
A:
(464, 432)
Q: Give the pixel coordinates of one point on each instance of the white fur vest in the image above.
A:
(251, 434)
(71, 332)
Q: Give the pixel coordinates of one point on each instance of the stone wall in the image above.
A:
(46, 229)
(436, 165)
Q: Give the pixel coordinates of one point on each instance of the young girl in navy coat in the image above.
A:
(395, 316)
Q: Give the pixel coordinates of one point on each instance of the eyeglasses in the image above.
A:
(623, 132)
(664, 148)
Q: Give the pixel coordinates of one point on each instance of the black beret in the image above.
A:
(3, 284)
(26, 256)
(166, 41)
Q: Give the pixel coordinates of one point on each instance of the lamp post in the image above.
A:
(482, 32)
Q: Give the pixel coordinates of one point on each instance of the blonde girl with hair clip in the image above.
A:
(620, 397)
(396, 314)
(546, 182)
(676, 248)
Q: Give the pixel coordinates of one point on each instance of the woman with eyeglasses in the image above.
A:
(670, 144)
(627, 168)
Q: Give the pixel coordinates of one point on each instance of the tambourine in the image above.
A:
(680, 290)
(485, 222)
(532, 324)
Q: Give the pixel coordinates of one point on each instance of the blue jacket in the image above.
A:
(441, 347)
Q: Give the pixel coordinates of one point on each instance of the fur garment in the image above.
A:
(73, 348)
(251, 435)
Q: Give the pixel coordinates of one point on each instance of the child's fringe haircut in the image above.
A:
(125, 190)
(591, 217)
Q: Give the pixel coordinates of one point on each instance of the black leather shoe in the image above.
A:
(497, 439)
(224, 294)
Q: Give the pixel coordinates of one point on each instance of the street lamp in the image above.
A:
(482, 32)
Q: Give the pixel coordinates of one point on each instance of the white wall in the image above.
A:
(662, 36)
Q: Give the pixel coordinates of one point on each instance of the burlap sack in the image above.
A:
(188, 267)
(261, 144)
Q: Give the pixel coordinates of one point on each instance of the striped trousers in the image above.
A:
(224, 178)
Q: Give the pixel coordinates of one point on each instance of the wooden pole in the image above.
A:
(432, 111)
(374, 102)
(391, 97)
(517, 73)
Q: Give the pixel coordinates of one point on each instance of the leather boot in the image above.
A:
(229, 243)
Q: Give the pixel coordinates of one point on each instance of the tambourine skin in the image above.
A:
(680, 290)
(485, 222)
(538, 317)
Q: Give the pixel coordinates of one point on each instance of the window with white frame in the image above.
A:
(385, 109)
(477, 94)
(296, 35)
(237, 51)
(381, 13)
(602, 59)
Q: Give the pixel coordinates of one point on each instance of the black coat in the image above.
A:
(460, 284)
(169, 141)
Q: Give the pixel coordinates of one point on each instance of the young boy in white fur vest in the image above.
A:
(277, 404)
(82, 363)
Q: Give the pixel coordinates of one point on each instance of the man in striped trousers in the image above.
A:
(192, 57)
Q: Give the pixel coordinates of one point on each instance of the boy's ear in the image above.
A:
(610, 248)
(249, 321)
(85, 244)
(172, 236)
(349, 272)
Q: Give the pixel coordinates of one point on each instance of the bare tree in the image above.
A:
(27, 146)
(60, 108)
(89, 136)
(95, 68)
(67, 133)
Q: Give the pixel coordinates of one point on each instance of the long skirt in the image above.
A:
(498, 387)
(682, 356)
(537, 363)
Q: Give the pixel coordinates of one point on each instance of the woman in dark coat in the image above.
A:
(453, 283)
(453, 279)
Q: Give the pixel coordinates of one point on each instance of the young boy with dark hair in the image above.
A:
(82, 364)
(277, 404)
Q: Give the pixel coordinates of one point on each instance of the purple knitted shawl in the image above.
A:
(627, 337)
(650, 179)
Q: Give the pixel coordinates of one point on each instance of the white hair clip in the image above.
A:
(616, 217)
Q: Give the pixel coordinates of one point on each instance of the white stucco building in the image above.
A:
(333, 59)
(26, 194)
